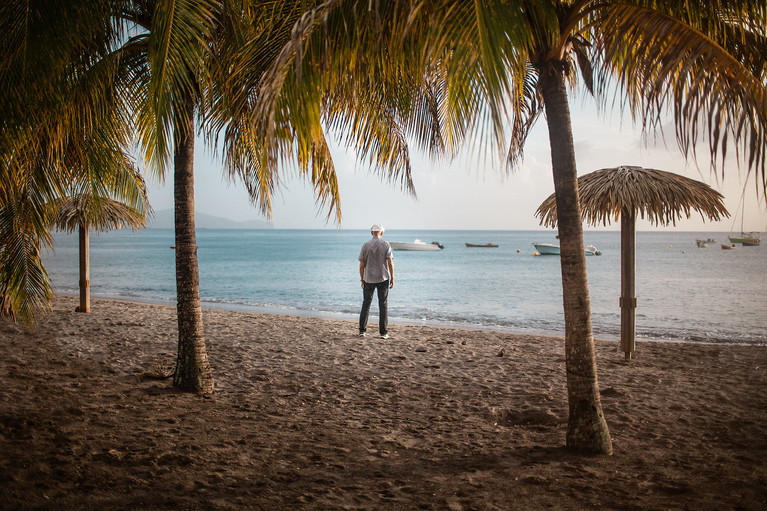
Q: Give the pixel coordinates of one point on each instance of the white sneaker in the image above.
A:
(361, 334)
(385, 336)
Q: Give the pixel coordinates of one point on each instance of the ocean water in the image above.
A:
(684, 293)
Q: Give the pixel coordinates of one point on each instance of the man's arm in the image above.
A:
(390, 262)
(362, 273)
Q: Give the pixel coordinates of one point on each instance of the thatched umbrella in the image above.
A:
(659, 196)
(84, 212)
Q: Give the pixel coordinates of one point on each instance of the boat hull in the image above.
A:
(546, 248)
(486, 245)
(746, 241)
(417, 245)
(550, 249)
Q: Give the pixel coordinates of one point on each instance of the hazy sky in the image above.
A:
(471, 192)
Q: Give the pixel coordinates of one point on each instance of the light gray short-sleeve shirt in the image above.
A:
(374, 254)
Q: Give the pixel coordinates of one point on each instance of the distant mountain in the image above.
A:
(164, 220)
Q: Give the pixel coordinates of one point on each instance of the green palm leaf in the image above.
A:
(707, 66)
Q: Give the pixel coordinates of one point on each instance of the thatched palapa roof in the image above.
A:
(661, 197)
(100, 214)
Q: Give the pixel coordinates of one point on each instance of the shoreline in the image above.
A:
(308, 416)
(341, 316)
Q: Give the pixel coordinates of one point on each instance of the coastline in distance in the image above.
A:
(163, 219)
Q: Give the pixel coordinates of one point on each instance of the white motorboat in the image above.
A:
(546, 248)
(415, 245)
(551, 249)
(592, 250)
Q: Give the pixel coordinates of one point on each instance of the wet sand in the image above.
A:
(307, 415)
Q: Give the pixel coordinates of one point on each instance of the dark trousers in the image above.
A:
(383, 307)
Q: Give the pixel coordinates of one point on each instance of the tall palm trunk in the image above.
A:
(193, 371)
(586, 427)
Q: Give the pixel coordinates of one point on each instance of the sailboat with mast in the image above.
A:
(747, 239)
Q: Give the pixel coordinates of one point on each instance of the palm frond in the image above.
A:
(176, 45)
(527, 106)
(695, 63)
(25, 289)
(440, 73)
(72, 119)
(259, 153)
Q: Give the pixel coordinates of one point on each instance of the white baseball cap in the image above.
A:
(377, 228)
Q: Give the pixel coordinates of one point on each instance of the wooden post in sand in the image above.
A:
(628, 301)
(85, 277)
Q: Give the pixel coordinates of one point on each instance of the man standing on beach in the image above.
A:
(376, 274)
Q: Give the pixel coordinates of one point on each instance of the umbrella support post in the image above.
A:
(85, 277)
(628, 301)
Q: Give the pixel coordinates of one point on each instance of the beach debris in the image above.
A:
(501, 353)
(114, 453)
(611, 392)
(420, 350)
(527, 417)
(159, 371)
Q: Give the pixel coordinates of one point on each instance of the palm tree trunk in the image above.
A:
(193, 371)
(85, 272)
(586, 427)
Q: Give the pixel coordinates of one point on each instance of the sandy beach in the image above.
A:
(307, 415)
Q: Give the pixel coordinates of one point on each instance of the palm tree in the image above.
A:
(703, 61)
(203, 61)
(180, 55)
(176, 67)
(142, 64)
(59, 125)
(87, 208)
(100, 69)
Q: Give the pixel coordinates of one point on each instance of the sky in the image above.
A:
(474, 192)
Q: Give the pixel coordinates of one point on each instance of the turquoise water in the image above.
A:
(684, 293)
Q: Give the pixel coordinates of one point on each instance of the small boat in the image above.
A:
(592, 250)
(747, 239)
(416, 245)
(546, 248)
(702, 243)
(727, 247)
(486, 245)
(551, 249)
